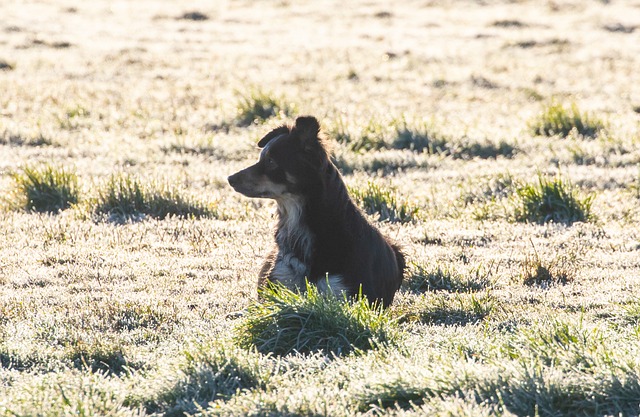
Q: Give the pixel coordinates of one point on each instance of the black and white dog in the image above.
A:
(321, 236)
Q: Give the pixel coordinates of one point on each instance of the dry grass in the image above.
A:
(438, 101)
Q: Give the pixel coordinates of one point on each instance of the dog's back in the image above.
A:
(348, 248)
(321, 236)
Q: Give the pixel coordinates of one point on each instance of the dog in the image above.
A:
(321, 235)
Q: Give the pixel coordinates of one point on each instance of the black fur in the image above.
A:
(332, 236)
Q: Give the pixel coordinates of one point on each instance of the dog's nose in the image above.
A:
(233, 180)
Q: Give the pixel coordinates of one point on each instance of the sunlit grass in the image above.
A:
(135, 311)
(546, 271)
(450, 309)
(425, 278)
(257, 106)
(384, 203)
(555, 119)
(285, 322)
(45, 189)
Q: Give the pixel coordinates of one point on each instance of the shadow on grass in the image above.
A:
(455, 309)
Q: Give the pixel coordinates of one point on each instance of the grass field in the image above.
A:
(497, 141)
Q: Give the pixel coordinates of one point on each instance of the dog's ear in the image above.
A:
(282, 130)
(308, 129)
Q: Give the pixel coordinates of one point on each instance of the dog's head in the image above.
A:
(290, 163)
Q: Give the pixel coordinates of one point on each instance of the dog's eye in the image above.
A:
(270, 164)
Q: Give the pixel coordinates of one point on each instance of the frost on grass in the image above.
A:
(415, 135)
(448, 309)
(70, 393)
(557, 368)
(45, 189)
(559, 269)
(214, 146)
(209, 372)
(169, 283)
(285, 322)
(444, 278)
(94, 335)
(489, 189)
(106, 357)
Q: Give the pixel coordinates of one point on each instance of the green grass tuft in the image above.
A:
(128, 316)
(425, 279)
(106, 357)
(384, 203)
(339, 130)
(551, 201)
(393, 394)
(483, 150)
(74, 117)
(125, 198)
(19, 139)
(631, 311)
(415, 135)
(194, 15)
(555, 119)
(397, 133)
(258, 106)
(77, 111)
(419, 136)
(45, 189)
(285, 322)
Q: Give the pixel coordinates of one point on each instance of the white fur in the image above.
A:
(268, 188)
(293, 231)
(290, 270)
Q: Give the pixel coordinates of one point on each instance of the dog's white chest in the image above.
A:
(293, 237)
